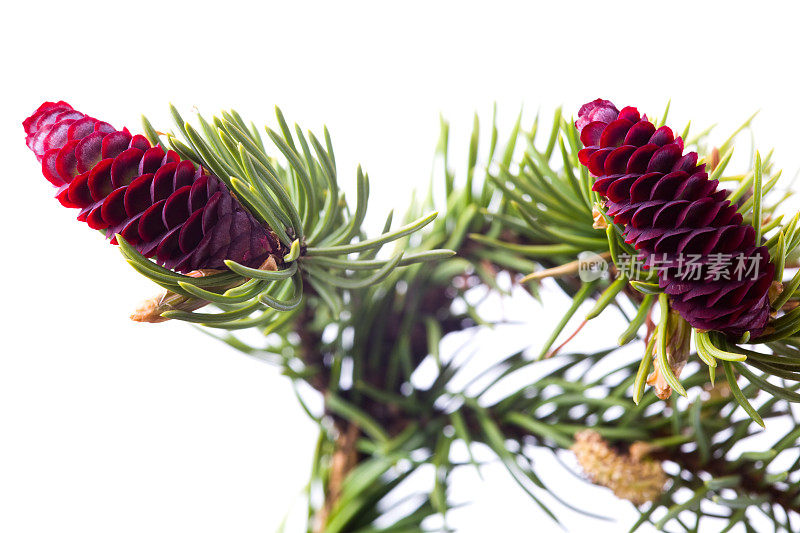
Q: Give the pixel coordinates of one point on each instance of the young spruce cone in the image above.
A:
(164, 207)
(674, 215)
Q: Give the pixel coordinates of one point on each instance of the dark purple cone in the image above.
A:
(672, 212)
(166, 208)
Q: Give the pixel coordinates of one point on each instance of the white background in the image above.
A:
(107, 425)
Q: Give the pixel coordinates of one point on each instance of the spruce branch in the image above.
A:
(402, 321)
(552, 201)
(357, 325)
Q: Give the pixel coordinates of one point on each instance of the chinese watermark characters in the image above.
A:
(684, 267)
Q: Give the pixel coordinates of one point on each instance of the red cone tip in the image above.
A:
(709, 263)
(166, 208)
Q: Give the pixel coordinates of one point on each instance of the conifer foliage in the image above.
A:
(261, 234)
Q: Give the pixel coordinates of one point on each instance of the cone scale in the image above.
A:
(673, 213)
(167, 208)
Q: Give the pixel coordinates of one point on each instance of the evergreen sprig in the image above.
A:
(391, 329)
(554, 201)
(357, 330)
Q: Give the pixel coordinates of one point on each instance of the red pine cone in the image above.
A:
(672, 213)
(165, 207)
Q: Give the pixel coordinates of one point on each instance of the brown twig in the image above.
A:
(343, 461)
(561, 270)
(557, 349)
